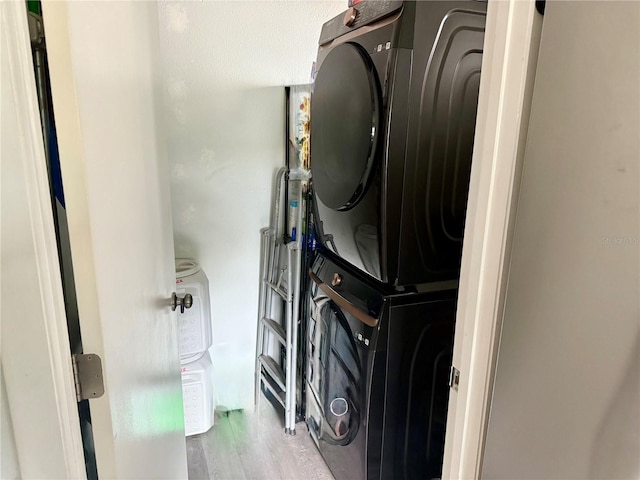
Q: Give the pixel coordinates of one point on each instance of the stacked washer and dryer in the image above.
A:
(393, 120)
(195, 339)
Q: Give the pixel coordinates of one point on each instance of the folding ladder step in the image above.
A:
(276, 329)
(272, 368)
(275, 389)
(279, 290)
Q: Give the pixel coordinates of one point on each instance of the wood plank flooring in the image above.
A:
(253, 446)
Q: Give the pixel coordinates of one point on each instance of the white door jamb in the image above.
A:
(36, 357)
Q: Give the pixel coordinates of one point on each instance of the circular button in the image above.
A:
(339, 406)
(350, 17)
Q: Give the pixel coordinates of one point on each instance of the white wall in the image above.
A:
(225, 65)
(566, 402)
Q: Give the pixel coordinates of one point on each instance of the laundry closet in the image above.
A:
(188, 98)
(222, 126)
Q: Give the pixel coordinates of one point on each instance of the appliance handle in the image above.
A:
(343, 302)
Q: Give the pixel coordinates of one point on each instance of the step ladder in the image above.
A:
(278, 307)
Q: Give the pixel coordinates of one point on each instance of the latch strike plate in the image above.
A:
(87, 373)
(454, 378)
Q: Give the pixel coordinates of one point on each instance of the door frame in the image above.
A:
(509, 63)
(38, 376)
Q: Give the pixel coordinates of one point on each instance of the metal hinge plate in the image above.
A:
(87, 373)
(454, 378)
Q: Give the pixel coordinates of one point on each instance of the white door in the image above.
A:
(106, 96)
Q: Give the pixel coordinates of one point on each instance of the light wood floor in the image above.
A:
(253, 445)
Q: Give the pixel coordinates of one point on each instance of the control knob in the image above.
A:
(350, 16)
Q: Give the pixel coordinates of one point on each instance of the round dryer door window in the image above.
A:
(344, 130)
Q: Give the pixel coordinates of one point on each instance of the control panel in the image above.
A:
(362, 14)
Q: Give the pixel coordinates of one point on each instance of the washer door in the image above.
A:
(344, 130)
(343, 377)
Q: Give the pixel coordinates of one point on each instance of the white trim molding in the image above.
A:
(36, 357)
(508, 71)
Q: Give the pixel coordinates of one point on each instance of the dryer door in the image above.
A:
(344, 129)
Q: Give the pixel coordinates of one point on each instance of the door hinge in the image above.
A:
(87, 374)
(454, 378)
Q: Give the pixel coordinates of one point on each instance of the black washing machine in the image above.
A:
(394, 107)
(377, 375)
